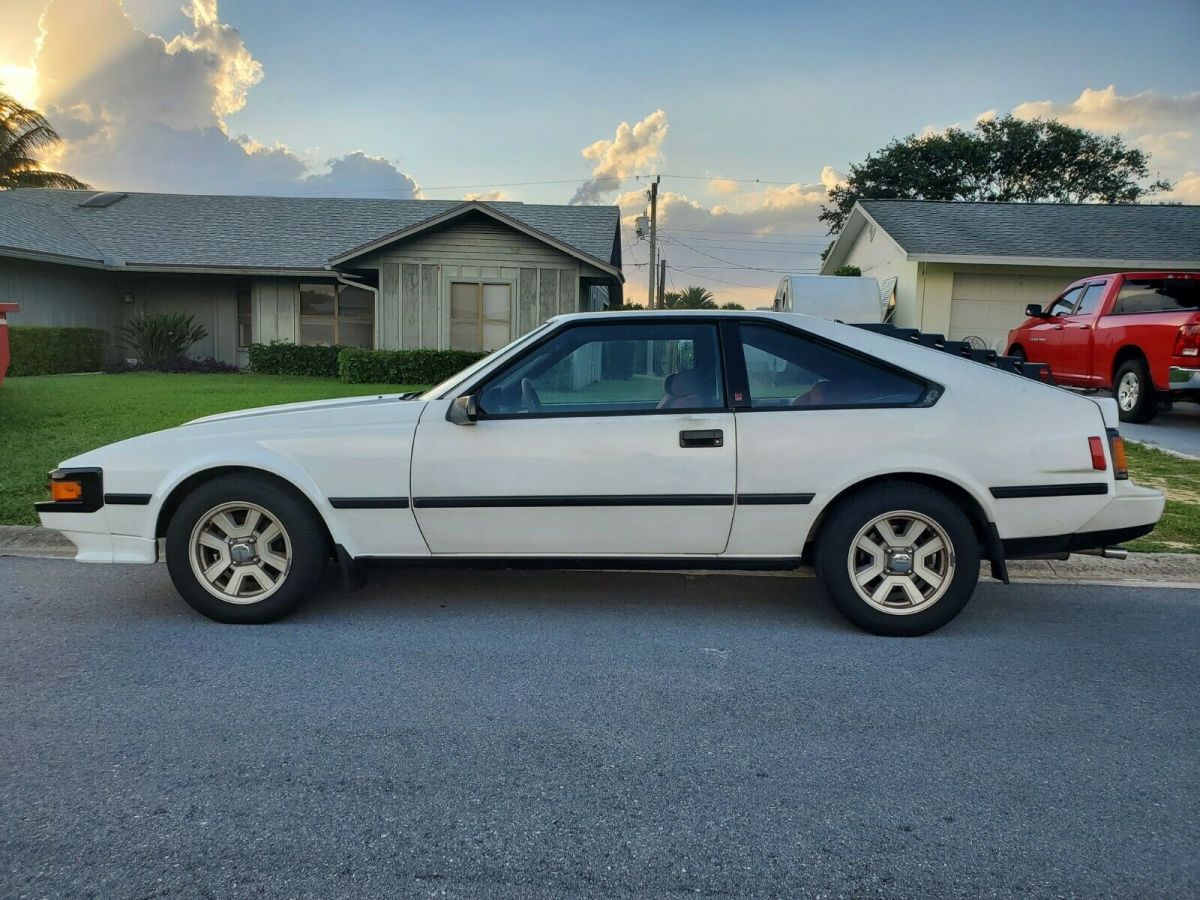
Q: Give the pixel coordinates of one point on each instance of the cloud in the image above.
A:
(486, 195)
(632, 148)
(723, 186)
(143, 112)
(1187, 188)
(1106, 110)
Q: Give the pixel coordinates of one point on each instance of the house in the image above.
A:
(388, 274)
(969, 269)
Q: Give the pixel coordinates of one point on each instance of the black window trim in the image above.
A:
(929, 396)
(1103, 282)
(477, 386)
(731, 360)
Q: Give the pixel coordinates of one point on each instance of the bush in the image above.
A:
(159, 338)
(402, 366)
(205, 365)
(38, 350)
(850, 271)
(283, 358)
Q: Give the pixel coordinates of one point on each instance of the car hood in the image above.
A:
(350, 404)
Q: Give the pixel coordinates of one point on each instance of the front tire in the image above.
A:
(898, 559)
(244, 550)
(1134, 392)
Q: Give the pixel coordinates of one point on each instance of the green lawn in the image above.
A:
(1179, 479)
(44, 420)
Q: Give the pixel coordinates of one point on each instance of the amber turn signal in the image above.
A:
(66, 491)
(1116, 444)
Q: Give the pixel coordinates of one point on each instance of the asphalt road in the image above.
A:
(554, 734)
(1177, 430)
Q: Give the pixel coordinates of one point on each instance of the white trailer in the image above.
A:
(854, 300)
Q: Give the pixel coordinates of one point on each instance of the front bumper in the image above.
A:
(1181, 379)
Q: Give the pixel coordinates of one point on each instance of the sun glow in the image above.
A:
(21, 82)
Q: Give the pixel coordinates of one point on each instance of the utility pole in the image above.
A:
(653, 267)
(662, 280)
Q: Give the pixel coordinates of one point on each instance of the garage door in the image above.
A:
(990, 306)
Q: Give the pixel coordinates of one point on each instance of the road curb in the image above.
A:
(1140, 569)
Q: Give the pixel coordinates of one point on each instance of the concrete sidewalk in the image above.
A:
(1177, 569)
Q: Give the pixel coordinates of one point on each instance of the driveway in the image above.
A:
(1178, 430)
(553, 734)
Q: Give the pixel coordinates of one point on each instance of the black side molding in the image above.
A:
(369, 502)
(127, 499)
(574, 500)
(1049, 490)
(774, 499)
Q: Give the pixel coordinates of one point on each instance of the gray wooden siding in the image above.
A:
(415, 277)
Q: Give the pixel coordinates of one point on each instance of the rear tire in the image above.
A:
(1018, 354)
(245, 550)
(1134, 392)
(898, 559)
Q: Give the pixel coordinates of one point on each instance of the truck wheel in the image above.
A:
(898, 559)
(1134, 392)
(244, 550)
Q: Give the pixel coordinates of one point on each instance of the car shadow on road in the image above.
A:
(403, 590)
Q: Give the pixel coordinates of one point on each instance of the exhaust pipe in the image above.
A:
(1106, 552)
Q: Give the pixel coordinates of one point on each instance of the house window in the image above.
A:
(337, 314)
(244, 318)
(480, 315)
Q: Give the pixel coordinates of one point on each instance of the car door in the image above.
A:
(609, 437)
(1045, 338)
(1077, 335)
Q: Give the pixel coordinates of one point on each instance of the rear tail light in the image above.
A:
(1117, 445)
(1099, 462)
(1187, 341)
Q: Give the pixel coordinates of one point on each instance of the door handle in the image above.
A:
(713, 437)
(1086, 325)
(1058, 328)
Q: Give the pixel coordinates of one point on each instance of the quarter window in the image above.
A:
(630, 368)
(1158, 295)
(337, 314)
(480, 315)
(784, 369)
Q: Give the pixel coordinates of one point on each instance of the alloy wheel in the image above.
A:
(901, 562)
(240, 552)
(1128, 391)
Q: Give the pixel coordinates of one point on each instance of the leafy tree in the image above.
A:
(691, 297)
(1000, 159)
(624, 306)
(851, 271)
(732, 306)
(23, 133)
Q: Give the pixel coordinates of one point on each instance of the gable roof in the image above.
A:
(185, 232)
(1088, 234)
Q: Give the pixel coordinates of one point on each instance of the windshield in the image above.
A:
(443, 389)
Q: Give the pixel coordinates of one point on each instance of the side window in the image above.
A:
(1064, 304)
(1157, 295)
(1091, 299)
(785, 369)
(624, 367)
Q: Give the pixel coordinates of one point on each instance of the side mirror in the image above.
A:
(1034, 311)
(464, 410)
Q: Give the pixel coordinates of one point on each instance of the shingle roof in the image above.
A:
(1041, 230)
(189, 230)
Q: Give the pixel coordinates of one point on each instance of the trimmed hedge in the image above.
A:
(283, 358)
(47, 350)
(402, 366)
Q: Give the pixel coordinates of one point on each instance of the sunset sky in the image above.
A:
(749, 111)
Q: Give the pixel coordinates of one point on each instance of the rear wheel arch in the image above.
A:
(963, 498)
(1124, 355)
(196, 479)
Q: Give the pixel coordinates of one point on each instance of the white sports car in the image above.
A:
(657, 439)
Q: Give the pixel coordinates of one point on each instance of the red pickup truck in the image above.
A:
(1136, 334)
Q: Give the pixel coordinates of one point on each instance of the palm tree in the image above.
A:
(24, 132)
(691, 297)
